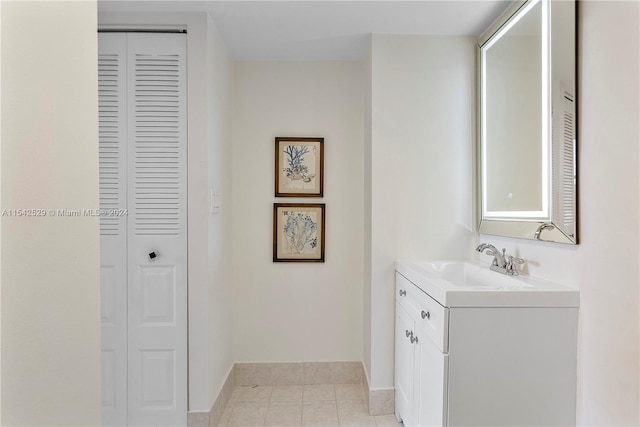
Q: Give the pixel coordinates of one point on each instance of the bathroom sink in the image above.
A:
(462, 273)
(473, 284)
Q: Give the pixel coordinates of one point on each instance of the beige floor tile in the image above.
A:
(324, 414)
(248, 414)
(349, 392)
(255, 394)
(387, 421)
(323, 405)
(354, 413)
(284, 414)
(317, 392)
(289, 393)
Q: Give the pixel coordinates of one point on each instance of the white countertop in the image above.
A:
(516, 291)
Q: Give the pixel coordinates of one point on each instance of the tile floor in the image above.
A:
(325, 405)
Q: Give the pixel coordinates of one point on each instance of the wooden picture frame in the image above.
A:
(299, 169)
(298, 232)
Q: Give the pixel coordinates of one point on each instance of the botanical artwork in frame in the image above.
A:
(299, 167)
(298, 232)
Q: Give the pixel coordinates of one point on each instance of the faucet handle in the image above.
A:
(511, 264)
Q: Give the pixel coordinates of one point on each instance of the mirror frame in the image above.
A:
(546, 229)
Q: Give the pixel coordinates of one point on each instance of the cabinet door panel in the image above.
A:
(431, 388)
(404, 365)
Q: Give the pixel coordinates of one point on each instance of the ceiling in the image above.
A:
(323, 30)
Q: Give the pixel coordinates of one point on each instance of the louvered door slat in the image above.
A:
(157, 145)
(564, 161)
(112, 135)
(568, 166)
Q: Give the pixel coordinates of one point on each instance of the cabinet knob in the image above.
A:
(426, 315)
(402, 292)
(414, 340)
(408, 333)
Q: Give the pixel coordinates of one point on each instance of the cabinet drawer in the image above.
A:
(430, 317)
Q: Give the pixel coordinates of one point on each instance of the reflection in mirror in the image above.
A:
(527, 122)
(513, 119)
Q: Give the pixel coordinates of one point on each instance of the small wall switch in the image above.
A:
(214, 198)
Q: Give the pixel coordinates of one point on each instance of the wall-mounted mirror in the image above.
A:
(527, 122)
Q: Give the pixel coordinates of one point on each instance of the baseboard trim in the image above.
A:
(379, 400)
(297, 373)
(198, 419)
(212, 417)
(222, 400)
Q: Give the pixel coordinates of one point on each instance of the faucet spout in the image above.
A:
(498, 258)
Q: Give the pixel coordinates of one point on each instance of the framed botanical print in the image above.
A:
(299, 170)
(298, 232)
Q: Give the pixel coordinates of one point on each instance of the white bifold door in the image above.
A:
(143, 227)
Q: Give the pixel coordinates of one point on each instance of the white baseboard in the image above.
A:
(212, 417)
(379, 400)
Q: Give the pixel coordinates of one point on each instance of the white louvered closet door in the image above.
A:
(156, 229)
(112, 107)
(157, 224)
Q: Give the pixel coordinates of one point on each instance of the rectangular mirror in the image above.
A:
(527, 122)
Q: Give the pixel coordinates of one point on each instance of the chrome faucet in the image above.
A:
(501, 262)
(498, 258)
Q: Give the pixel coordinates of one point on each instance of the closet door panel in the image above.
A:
(157, 229)
(112, 110)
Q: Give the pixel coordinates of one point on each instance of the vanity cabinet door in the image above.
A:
(431, 377)
(404, 366)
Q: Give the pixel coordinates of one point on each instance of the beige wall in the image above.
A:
(50, 265)
(604, 266)
(298, 311)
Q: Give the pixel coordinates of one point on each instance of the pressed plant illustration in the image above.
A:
(300, 231)
(299, 167)
(296, 168)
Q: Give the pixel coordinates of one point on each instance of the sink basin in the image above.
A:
(462, 273)
(473, 284)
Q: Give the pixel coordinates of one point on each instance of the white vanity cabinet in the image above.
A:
(420, 363)
(490, 360)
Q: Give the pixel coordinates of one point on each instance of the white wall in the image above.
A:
(604, 266)
(209, 103)
(1, 205)
(422, 129)
(219, 99)
(50, 269)
(366, 300)
(290, 312)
